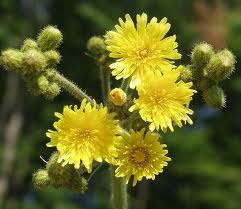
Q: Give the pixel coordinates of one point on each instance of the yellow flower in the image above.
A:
(140, 155)
(164, 101)
(141, 48)
(84, 134)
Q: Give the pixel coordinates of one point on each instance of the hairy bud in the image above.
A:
(11, 60)
(96, 45)
(29, 44)
(201, 55)
(118, 96)
(52, 57)
(220, 66)
(65, 176)
(33, 61)
(53, 90)
(186, 74)
(214, 97)
(43, 83)
(41, 179)
(49, 38)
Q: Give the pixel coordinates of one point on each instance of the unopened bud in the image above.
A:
(201, 55)
(43, 83)
(186, 74)
(214, 97)
(49, 38)
(221, 66)
(11, 59)
(41, 179)
(33, 61)
(53, 90)
(52, 57)
(96, 45)
(65, 176)
(118, 96)
(29, 44)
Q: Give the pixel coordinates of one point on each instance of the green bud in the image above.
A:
(49, 38)
(41, 179)
(11, 59)
(53, 90)
(186, 74)
(221, 66)
(201, 55)
(52, 57)
(33, 61)
(96, 45)
(214, 97)
(29, 44)
(43, 83)
(65, 176)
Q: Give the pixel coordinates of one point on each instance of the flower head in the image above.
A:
(84, 134)
(141, 48)
(163, 100)
(140, 155)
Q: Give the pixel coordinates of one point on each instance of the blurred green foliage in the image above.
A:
(205, 170)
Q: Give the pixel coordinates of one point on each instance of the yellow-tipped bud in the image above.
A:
(29, 44)
(11, 60)
(33, 61)
(52, 91)
(96, 45)
(43, 83)
(201, 55)
(221, 66)
(118, 97)
(41, 179)
(214, 97)
(52, 57)
(49, 38)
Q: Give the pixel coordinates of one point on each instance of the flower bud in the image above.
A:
(52, 57)
(118, 96)
(33, 61)
(65, 176)
(41, 179)
(186, 74)
(49, 38)
(43, 83)
(96, 45)
(11, 59)
(221, 66)
(201, 55)
(214, 97)
(53, 90)
(29, 44)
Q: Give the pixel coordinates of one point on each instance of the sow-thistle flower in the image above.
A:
(140, 48)
(84, 134)
(164, 101)
(140, 155)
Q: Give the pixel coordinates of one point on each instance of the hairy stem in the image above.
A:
(125, 84)
(70, 87)
(105, 82)
(118, 191)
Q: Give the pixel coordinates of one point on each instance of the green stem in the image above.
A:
(119, 191)
(70, 87)
(105, 82)
(125, 84)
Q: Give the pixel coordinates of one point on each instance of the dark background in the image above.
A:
(205, 171)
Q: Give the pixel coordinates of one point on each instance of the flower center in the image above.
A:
(144, 53)
(87, 134)
(139, 156)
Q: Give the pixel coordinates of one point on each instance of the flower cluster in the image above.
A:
(125, 131)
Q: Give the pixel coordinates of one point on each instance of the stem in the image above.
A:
(125, 84)
(70, 87)
(105, 82)
(118, 189)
